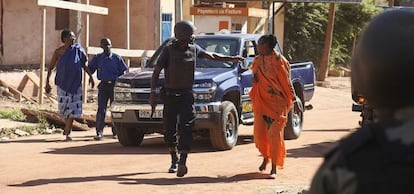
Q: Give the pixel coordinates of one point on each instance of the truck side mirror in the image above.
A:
(244, 66)
(144, 62)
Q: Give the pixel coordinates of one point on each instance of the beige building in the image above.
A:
(21, 27)
(151, 21)
(239, 16)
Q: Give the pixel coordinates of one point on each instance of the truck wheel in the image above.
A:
(295, 121)
(128, 136)
(225, 137)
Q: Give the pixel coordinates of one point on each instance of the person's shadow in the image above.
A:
(122, 179)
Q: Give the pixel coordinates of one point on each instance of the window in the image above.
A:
(166, 26)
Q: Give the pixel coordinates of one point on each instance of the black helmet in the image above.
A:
(383, 64)
(183, 30)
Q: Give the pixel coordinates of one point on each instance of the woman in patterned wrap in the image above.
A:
(271, 95)
(69, 59)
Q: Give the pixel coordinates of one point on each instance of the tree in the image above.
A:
(305, 27)
(349, 22)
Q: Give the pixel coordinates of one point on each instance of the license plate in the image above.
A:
(147, 114)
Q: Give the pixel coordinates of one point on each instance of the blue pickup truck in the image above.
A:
(221, 93)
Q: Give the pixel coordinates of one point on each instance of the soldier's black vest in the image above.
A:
(380, 165)
(179, 73)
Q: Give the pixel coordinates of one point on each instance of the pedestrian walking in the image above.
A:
(69, 60)
(271, 96)
(109, 67)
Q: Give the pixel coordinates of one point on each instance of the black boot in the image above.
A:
(174, 162)
(182, 168)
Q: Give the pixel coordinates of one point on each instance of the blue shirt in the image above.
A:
(69, 68)
(108, 68)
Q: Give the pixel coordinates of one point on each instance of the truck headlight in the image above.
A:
(204, 97)
(204, 91)
(123, 96)
(211, 85)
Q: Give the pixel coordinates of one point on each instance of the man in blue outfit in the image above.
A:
(109, 66)
(68, 60)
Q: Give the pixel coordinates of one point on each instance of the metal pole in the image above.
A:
(178, 10)
(42, 64)
(273, 17)
(128, 45)
(85, 80)
(390, 3)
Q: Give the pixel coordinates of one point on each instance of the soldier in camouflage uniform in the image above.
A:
(378, 158)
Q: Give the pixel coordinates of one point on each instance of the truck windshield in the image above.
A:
(220, 46)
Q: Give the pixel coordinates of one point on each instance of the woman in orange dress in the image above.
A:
(271, 96)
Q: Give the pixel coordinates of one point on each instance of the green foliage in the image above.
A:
(350, 19)
(43, 124)
(305, 28)
(305, 25)
(14, 114)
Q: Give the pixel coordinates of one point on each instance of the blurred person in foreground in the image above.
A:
(178, 61)
(69, 60)
(271, 96)
(109, 67)
(379, 157)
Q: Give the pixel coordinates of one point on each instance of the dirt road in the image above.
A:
(46, 164)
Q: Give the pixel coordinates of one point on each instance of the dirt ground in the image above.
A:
(46, 164)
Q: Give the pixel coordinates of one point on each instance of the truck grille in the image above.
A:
(140, 97)
(135, 95)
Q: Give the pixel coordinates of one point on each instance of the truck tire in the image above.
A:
(294, 124)
(225, 137)
(128, 136)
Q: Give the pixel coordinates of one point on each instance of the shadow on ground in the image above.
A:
(127, 180)
(150, 145)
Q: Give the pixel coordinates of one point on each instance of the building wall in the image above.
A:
(280, 26)
(209, 24)
(22, 28)
(142, 24)
(22, 32)
(96, 24)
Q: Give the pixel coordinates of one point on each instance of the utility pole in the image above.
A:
(390, 3)
(178, 10)
(323, 69)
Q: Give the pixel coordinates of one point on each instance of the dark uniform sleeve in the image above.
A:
(163, 59)
(331, 178)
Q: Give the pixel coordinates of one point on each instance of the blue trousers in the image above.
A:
(105, 94)
(179, 117)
